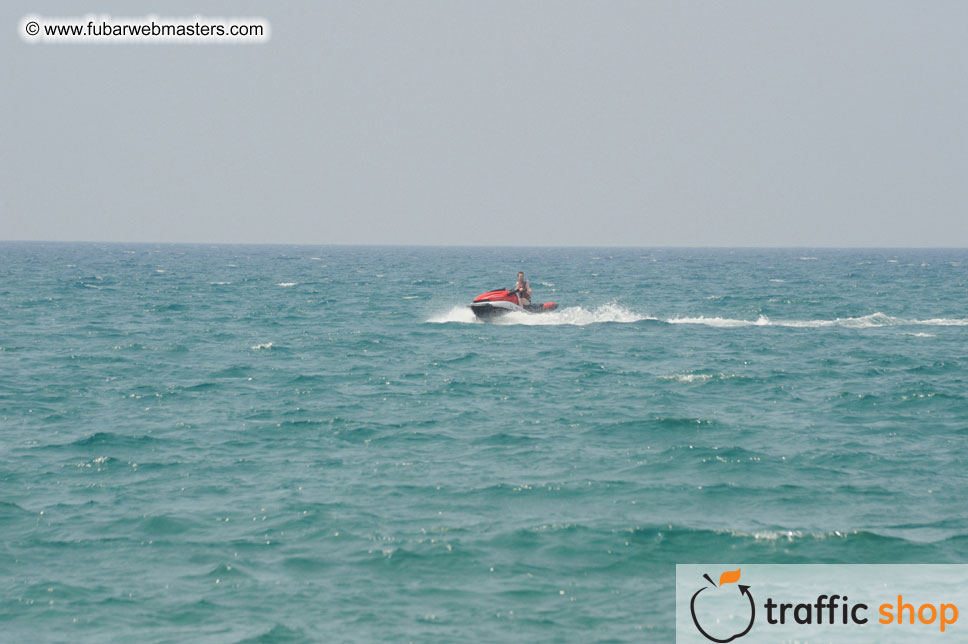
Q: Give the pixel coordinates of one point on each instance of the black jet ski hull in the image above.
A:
(491, 310)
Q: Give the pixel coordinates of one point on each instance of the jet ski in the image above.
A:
(501, 302)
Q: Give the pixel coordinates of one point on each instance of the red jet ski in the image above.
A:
(500, 302)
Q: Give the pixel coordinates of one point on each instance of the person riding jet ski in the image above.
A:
(503, 301)
(523, 290)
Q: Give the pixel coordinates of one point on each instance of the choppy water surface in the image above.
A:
(275, 444)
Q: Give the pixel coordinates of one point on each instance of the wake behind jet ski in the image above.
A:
(503, 301)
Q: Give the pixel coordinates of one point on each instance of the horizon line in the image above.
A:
(522, 246)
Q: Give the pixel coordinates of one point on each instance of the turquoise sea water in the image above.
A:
(286, 444)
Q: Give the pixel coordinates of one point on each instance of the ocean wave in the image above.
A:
(224, 572)
(719, 322)
(97, 463)
(673, 537)
(942, 322)
(169, 524)
(698, 377)
(286, 284)
(278, 633)
(10, 511)
(108, 440)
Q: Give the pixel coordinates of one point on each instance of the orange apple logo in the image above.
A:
(728, 577)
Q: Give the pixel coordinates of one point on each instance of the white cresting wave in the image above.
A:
(578, 316)
(698, 377)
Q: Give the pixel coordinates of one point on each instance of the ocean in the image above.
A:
(216, 443)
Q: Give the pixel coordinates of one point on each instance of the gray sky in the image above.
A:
(546, 123)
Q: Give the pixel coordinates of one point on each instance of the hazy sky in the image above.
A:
(482, 122)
